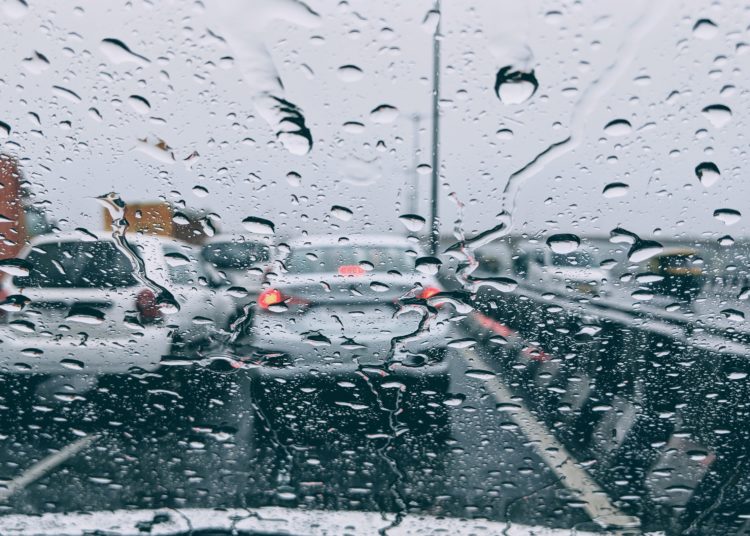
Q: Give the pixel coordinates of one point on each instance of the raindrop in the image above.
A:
(237, 292)
(424, 169)
(737, 375)
(176, 259)
(317, 339)
(708, 173)
(479, 374)
(378, 286)
(350, 73)
(726, 240)
(462, 343)
(258, 225)
(615, 189)
(36, 64)
(353, 127)
(501, 284)
(705, 29)
(563, 243)
(515, 87)
(200, 191)
(643, 250)
(72, 364)
(118, 52)
(727, 216)
(139, 104)
(15, 9)
(717, 114)
(428, 265)
(642, 295)
(157, 149)
(294, 178)
(430, 21)
(291, 129)
(618, 127)
(180, 219)
(4, 130)
(413, 222)
(385, 113)
(454, 400)
(15, 267)
(341, 213)
(734, 315)
(14, 303)
(504, 134)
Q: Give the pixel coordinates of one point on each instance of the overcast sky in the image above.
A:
(203, 68)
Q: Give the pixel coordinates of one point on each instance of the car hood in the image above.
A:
(266, 521)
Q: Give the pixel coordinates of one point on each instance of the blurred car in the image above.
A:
(675, 272)
(73, 307)
(343, 329)
(576, 270)
(241, 260)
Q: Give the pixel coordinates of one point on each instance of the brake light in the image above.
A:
(270, 297)
(146, 305)
(351, 269)
(429, 292)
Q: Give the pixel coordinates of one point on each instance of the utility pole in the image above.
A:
(414, 194)
(434, 223)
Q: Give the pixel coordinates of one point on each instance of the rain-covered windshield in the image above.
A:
(375, 267)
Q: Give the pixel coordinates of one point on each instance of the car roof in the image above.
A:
(237, 238)
(53, 238)
(353, 240)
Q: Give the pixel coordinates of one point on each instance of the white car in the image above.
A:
(73, 305)
(343, 325)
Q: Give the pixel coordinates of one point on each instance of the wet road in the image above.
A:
(493, 459)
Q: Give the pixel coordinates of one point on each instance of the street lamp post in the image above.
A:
(434, 224)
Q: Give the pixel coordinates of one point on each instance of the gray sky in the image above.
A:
(595, 61)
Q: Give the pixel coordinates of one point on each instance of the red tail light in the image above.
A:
(351, 269)
(429, 292)
(270, 297)
(146, 304)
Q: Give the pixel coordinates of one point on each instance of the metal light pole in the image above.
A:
(434, 224)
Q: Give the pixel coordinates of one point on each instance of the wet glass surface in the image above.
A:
(425, 267)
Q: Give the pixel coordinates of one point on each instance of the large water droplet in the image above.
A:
(563, 243)
(341, 213)
(15, 267)
(618, 127)
(413, 222)
(118, 52)
(428, 265)
(717, 114)
(705, 29)
(350, 73)
(4, 130)
(15, 9)
(36, 64)
(727, 216)
(643, 250)
(258, 225)
(708, 173)
(515, 87)
(385, 113)
(615, 189)
(139, 104)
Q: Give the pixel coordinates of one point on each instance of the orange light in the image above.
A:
(429, 292)
(269, 297)
(351, 269)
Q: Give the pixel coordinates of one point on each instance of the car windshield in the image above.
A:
(375, 267)
(349, 260)
(77, 265)
(236, 255)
